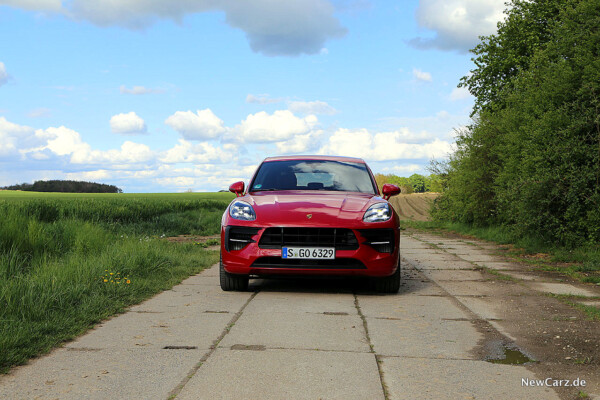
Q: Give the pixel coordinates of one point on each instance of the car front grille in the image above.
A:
(382, 240)
(339, 238)
(238, 237)
(278, 262)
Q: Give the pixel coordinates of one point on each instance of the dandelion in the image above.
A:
(106, 280)
(128, 281)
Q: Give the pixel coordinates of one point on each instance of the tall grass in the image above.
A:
(57, 256)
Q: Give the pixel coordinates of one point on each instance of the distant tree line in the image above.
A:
(530, 159)
(65, 187)
(416, 183)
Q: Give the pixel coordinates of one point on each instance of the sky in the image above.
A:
(178, 95)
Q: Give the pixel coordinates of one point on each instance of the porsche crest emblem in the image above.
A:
(309, 216)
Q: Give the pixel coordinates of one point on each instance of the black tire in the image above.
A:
(231, 282)
(389, 284)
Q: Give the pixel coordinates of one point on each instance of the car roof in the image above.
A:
(323, 158)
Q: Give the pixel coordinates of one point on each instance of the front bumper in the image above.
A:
(241, 254)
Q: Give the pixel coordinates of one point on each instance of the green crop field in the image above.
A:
(68, 261)
(20, 195)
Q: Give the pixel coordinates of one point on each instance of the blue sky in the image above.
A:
(166, 96)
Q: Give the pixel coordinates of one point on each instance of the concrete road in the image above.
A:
(298, 340)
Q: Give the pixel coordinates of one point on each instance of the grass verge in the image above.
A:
(66, 265)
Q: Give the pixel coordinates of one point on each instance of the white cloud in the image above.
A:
(129, 153)
(457, 24)
(199, 126)
(401, 169)
(199, 153)
(422, 76)
(65, 142)
(178, 182)
(262, 99)
(440, 125)
(97, 175)
(35, 5)
(311, 107)
(137, 90)
(127, 124)
(459, 94)
(26, 152)
(384, 146)
(3, 74)
(13, 137)
(288, 27)
(300, 143)
(274, 28)
(276, 127)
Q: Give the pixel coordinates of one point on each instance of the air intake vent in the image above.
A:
(287, 263)
(339, 238)
(238, 237)
(381, 240)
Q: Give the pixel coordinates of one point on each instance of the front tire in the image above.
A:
(231, 282)
(389, 284)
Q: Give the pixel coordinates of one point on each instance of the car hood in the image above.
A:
(324, 208)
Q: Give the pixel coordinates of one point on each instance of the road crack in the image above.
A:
(175, 392)
(368, 337)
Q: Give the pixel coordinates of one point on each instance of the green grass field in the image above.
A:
(20, 195)
(68, 261)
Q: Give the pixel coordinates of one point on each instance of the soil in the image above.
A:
(414, 206)
(196, 239)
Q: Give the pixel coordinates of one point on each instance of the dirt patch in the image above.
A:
(205, 242)
(414, 206)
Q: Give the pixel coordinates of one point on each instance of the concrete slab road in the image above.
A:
(310, 339)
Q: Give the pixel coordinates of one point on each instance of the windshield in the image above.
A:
(313, 175)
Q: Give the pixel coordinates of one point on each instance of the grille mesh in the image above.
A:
(339, 238)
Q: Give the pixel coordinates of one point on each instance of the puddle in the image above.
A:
(512, 357)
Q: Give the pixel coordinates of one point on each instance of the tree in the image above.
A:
(531, 158)
(550, 179)
(499, 58)
(417, 182)
(66, 186)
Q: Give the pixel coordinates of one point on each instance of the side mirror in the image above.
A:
(389, 190)
(237, 188)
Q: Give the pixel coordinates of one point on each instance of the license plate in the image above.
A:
(319, 253)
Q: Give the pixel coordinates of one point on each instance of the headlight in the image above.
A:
(378, 212)
(242, 210)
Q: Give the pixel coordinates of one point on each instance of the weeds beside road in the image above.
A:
(69, 261)
(581, 263)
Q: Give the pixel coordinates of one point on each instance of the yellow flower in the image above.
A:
(106, 280)
(111, 273)
(128, 281)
